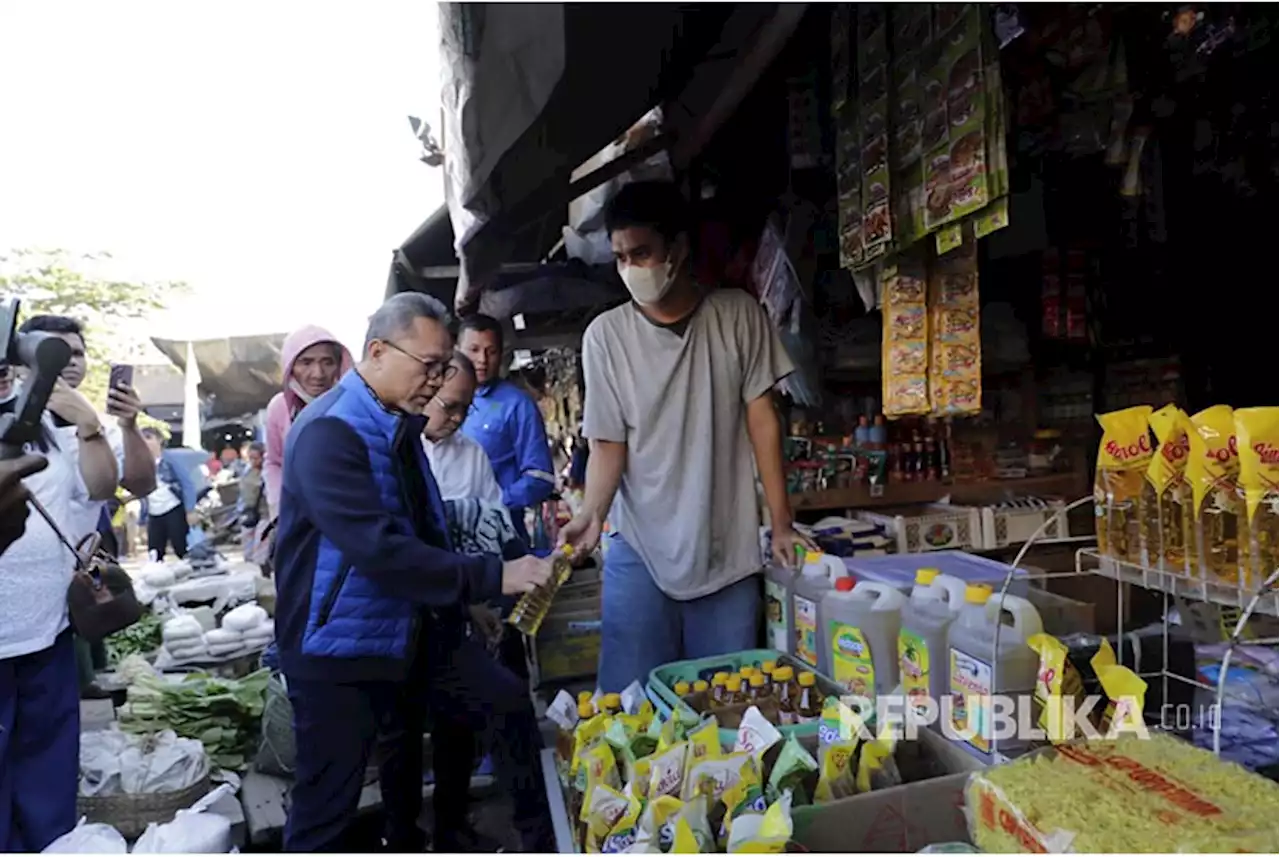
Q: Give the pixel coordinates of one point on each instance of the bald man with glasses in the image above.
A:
(460, 465)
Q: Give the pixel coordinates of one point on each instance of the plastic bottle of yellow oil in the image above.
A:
(1258, 440)
(532, 608)
(1164, 492)
(1211, 522)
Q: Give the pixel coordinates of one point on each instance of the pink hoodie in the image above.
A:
(284, 406)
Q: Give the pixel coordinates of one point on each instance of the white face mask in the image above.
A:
(299, 392)
(648, 285)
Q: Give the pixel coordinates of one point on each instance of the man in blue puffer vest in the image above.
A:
(371, 599)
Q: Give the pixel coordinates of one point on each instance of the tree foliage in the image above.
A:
(58, 282)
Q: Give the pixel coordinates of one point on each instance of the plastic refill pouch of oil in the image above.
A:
(1164, 491)
(1123, 456)
(533, 606)
(1258, 440)
(1211, 521)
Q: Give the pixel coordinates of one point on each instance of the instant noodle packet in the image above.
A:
(835, 772)
(767, 833)
(790, 772)
(1210, 522)
(1164, 492)
(1258, 442)
(1123, 456)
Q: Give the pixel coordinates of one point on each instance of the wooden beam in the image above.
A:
(773, 36)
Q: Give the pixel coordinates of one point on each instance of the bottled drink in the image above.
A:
(717, 689)
(533, 606)
(788, 693)
(733, 691)
(700, 697)
(809, 703)
(759, 690)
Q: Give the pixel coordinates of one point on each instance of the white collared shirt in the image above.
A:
(462, 469)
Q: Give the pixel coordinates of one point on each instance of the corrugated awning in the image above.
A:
(238, 375)
(618, 61)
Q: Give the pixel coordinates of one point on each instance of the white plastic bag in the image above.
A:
(223, 637)
(89, 839)
(192, 831)
(181, 628)
(244, 617)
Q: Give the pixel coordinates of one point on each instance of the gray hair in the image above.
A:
(465, 366)
(398, 313)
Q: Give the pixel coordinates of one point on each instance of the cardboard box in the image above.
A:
(926, 810)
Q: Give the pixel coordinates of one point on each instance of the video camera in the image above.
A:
(44, 357)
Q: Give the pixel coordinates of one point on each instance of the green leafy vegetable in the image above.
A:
(140, 638)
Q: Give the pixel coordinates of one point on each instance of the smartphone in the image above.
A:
(121, 375)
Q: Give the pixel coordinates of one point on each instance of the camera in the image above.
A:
(44, 357)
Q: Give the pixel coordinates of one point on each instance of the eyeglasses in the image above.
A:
(435, 370)
(454, 410)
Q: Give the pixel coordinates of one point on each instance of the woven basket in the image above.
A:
(130, 814)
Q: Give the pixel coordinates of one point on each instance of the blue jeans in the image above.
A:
(643, 628)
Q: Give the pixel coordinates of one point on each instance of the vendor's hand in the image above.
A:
(123, 404)
(582, 533)
(524, 575)
(74, 408)
(487, 622)
(193, 518)
(787, 543)
(13, 496)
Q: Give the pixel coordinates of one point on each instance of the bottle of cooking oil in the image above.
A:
(809, 703)
(533, 606)
(717, 689)
(1211, 521)
(1123, 456)
(733, 694)
(759, 690)
(1258, 440)
(1164, 491)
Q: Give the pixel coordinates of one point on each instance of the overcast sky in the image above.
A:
(259, 151)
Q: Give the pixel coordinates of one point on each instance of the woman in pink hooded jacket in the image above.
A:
(314, 360)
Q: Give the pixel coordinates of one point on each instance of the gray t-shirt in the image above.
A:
(687, 502)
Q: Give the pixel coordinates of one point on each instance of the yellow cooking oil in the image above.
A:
(533, 606)
(1123, 456)
(1258, 443)
(1211, 522)
(1164, 492)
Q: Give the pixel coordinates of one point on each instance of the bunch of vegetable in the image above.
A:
(223, 714)
(140, 638)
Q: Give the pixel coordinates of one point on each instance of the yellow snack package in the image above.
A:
(601, 811)
(767, 833)
(743, 797)
(692, 833)
(1164, 492)
(835, 772)
(1258, 442)
(626, 828)
(657, 823)
(1210, 523)
(641, 771)
(1126, 697)
(1123, 456)
(704, 742)
(1058, 687)
(666, 774)
(711, 777)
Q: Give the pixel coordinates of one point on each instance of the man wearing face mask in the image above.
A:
(372, 600)
(313, 360)
(678, 408)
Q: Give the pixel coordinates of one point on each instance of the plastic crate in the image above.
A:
(934, 527)
(665, 701)
(1003, 526)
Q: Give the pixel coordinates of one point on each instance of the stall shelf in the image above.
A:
(906, 493)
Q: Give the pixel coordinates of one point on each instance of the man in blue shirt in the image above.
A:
(506, 422)
(372, 599)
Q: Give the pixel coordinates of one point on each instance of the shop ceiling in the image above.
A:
(699, 61)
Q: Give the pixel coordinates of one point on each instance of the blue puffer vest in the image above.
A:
(350, 617)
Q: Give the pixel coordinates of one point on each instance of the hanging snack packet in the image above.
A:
(666, 773)
(835, 774)
(755, 734)
(768, 833)
(623, 834)
(600, 812)
(1164, 492)
(1059, 688)
(1123, 456)
(1258, 441)
(792, 772)
(1210, 522)
(704, 742)
(877, 769)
